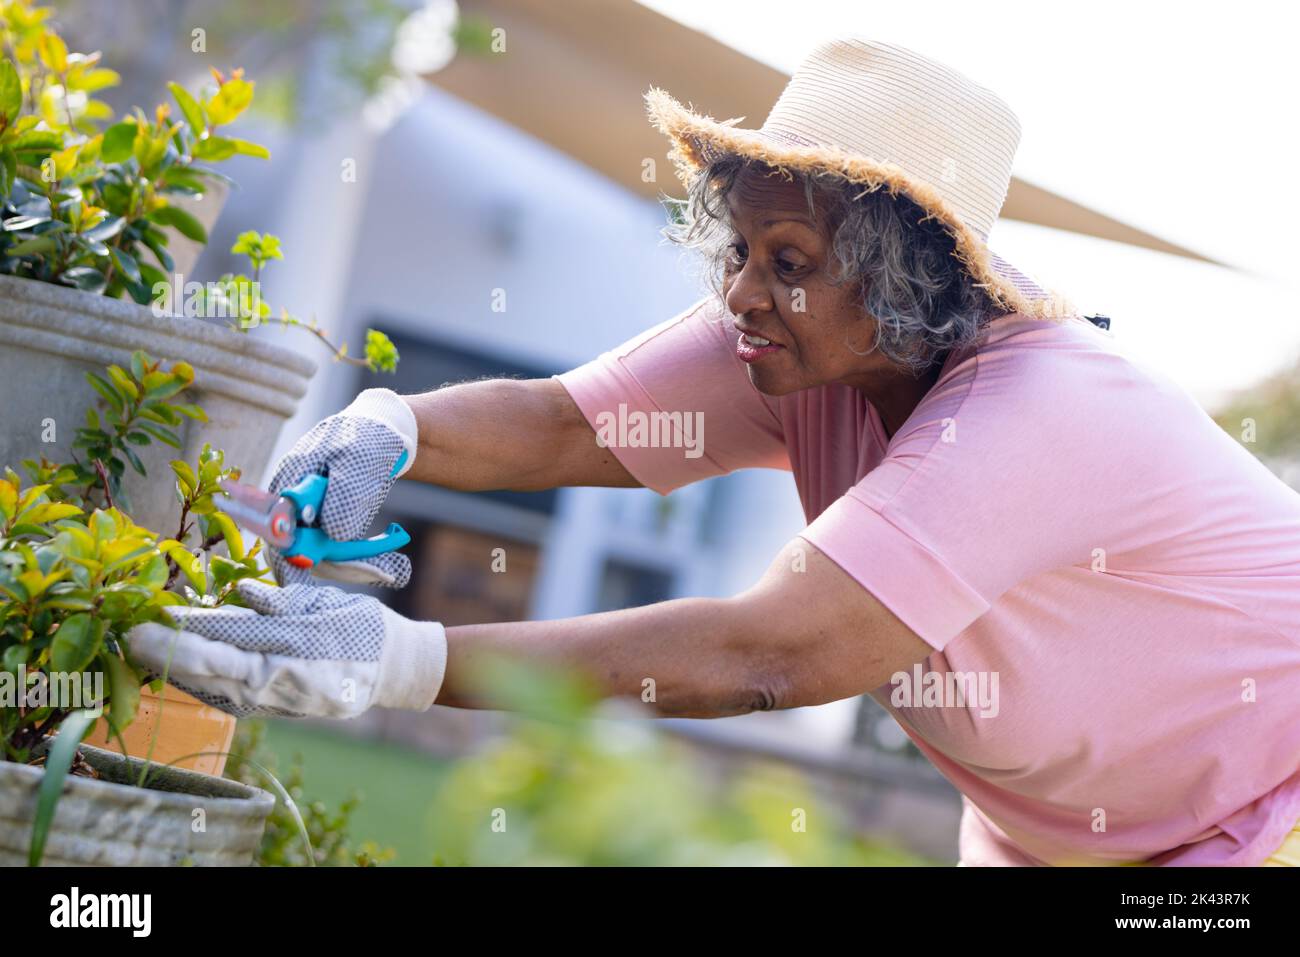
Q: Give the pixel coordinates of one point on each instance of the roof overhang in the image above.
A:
(573, 74)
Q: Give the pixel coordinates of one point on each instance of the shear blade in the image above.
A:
(259, 511)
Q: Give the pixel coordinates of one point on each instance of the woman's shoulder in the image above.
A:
(1065, 363)
(1032, 388)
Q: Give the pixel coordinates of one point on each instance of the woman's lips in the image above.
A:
(753, 348)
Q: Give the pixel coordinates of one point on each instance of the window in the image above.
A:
(626, 585)
(466, 577)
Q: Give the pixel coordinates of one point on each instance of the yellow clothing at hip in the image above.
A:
(1288, 854)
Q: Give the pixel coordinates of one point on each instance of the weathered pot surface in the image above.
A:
(182, 818)
(50, 336)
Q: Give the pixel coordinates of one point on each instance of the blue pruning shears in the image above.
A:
(287, 521)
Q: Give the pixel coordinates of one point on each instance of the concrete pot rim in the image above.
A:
(97, 329)
(178, 788)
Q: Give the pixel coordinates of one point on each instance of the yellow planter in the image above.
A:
(188, 727)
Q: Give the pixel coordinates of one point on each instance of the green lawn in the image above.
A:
(575, 810)
(396, 785)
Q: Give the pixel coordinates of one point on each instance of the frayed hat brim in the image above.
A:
(697, 139)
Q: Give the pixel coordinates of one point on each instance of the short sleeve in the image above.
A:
(1009, 467)
(675, 404)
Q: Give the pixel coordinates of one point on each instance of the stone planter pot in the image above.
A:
(205, 208)
(50, 336)
(111, 823)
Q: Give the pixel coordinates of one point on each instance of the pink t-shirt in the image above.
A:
(1060, 524)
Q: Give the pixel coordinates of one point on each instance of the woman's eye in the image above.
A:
(737, 254)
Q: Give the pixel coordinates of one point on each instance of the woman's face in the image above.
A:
(776, 286)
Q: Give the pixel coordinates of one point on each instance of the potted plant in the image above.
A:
(89, 209)
(76, 574)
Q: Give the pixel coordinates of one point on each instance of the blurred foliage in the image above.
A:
(1274, 406)
(352, 41)
(571, 785)
(328, 828)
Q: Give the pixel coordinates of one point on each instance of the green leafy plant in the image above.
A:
(59, 761)
(238, 297)
(76, 573)
(87, 202)
(140, 409)
(572, 785)
(329, 844)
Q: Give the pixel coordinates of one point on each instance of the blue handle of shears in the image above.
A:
(313, 544)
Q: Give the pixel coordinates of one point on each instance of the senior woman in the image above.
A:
(996, 500)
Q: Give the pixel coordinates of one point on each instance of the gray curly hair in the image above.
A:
(903, 264)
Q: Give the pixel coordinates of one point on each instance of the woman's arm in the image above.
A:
(518, 434)
(798, 637)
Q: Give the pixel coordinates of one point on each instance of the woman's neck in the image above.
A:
(897, 396)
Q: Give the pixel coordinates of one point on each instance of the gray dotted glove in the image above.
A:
(299, 651)
(360, 450)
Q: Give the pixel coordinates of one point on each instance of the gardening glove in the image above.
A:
(298, 651)
(363, 450)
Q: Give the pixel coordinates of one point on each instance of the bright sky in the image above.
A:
(1177, 118)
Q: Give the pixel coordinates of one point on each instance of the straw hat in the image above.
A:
(883, 116)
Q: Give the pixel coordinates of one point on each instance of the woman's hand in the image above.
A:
(297, 651)
(363, 450)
